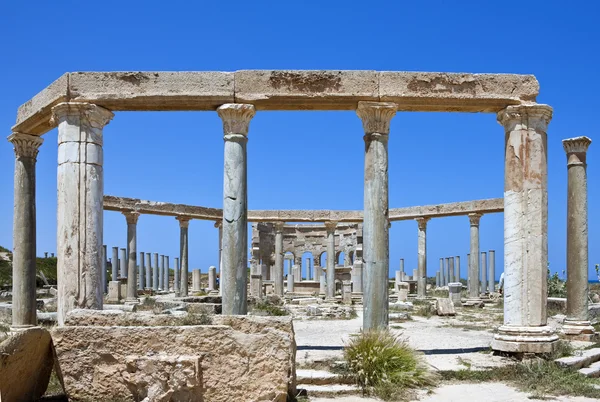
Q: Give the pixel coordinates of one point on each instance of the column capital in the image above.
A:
(131, 217)
(184, 221)
(236, 119)
(25, 145)
(576, 149)
(97, 116)
(376, 116)
(422, 222)
(330, 226)
(219, 224)
(278, 226)
(531, 116)
(474, 218)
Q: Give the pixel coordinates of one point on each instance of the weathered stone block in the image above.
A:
(445, 307)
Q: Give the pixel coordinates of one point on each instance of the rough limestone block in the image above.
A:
(445, 307)
(295, 89)
(26, 361)
(114, 291)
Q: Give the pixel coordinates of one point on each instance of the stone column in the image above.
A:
(104, 269)
(148, 271)
(219, 226)
(422, 255)
(330, 227)
(451, 269)
(298, 269)
(236, 120)
(577, 324)
(212, 278)
(397, 279)
(322, 284)
(161, 274)
(449, 275)
(167, 273)
(376, 118)
(155, 273)
(123, 267)
(473, 291)
(24, 232)
(256, 285)
(184, 223)
(442, 279)
(131, 218)
(308, 275)
(115, 264)
(357, 274)
(492, 268)
(290, 283)
(142, 272)
(80, 185)
(457, 268)
(483, 272)
(278, 277)
(437, 279)
(317, 268)
(402, 273)
(525, 231)
(196, 280)
(176, 284)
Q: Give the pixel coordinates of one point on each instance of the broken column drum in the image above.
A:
(376, 117)
(80, 184)
(234, 258)
(24, 232)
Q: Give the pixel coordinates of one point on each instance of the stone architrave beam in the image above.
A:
(277, 90)
(122, 204)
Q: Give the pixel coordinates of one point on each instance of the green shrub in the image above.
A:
(269, 308)
(385, 365)
(556, 286)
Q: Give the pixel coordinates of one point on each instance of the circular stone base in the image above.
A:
(579, 330)
(515, 339)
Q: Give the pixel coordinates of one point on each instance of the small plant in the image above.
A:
(556, 286)
(382, 364)
(269, 308)
(425, 310)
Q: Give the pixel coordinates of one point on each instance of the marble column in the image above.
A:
(184, 223)
(298, 269)
(141, 272)
(473, 295)
(448, 274)
(357, 276)
(212, 278)
(308, 275)
(330, 227)
(451, 269)
(115, 264)
(196, 280)
(442, 276)
(525, 328)
(176, 284)
(148, 271)
(397, 279)
(483, 272)
(437, 279)
(219, 226)
(422, 257)
(161, 273)
(155, 273)
(80, 185)
(167, 273)
(236, 120)
(26, 149)
(290, 283)
(278, 277)
(104, 269)
(457, 268)
(402, 273)
(492, 268)
(123, 264)
(131, 218)
(376, 117)
(317, 268)
(577, 324)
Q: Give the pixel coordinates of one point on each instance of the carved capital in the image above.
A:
(131, 217)
(219, 224)
(278, 227)
(97, 116)
(330, 226)
(526, 116)
(376, 116)
(422, 222)
(576, 145)
(184, 221)
(474, 219)
(25, 145)
(236, 120)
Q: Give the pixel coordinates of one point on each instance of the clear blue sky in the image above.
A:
(308, 160)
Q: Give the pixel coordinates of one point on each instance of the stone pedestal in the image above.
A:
(80, 184)
(236, 120)
(525, 328)
(24, 231)
(577, 324)
(455, 288)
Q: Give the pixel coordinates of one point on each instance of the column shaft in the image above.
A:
(422, 258)
(483, 272)
(123, 264)
(167, 273)
(148, 271)
(104, 269)
(141, 272)
(161, 279)
(155, 273)
(115, 264)
(278, 277)
(176, 284)
(474, 290)
(330, 226)
(184, 223)
(132, 218)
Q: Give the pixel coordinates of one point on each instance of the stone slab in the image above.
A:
(586, 358)
(592, 371)
(445, 307)
(319, 377)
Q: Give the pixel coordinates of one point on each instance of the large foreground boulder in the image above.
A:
(26, 362)
(245, 358)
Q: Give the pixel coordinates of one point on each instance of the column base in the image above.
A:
(17, 328)
(513, 339)
(579, 330)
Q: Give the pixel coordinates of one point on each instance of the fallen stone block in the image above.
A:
(445, 307)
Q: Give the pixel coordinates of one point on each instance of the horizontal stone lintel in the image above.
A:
(277, 90)
(122, 204)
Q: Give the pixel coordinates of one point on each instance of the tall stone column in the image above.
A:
(442, 275)
(184, 223)
(131, 218)
(104, 269)
(330, 227)
(148, 271)
(176, 284)
(115, 264)
(123, 264)
(141, 272)
(278, 277)
(525, 326)
(376, 117)
(236, 120)
(402, 273)
(167, 273)
(308, 275)
(473, 290)
(161, 279)
(422, 255)
(24, 234)
(577, 324)
(483, 272)
(451, 269)
(80, 185)
(317, 268)
(357, 277)
(219, 226)
(155, 272)
(492, 276)
(212, 279)
(457, 268)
